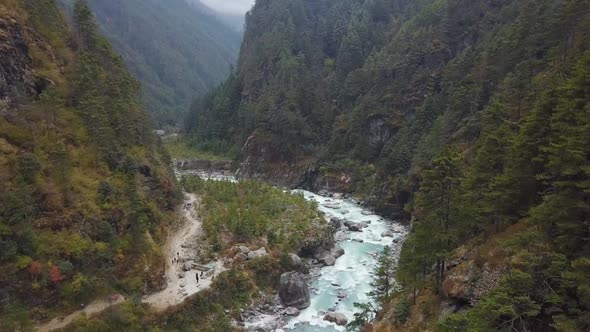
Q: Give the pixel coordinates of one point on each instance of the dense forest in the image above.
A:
(177, 50)
(87, 189)
(472, 117)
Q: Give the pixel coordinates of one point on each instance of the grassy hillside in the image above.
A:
(87, 189)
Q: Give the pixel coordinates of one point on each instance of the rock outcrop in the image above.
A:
(469, 282)
(16, 74)
(293, 290)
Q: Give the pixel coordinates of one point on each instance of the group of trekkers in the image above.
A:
(187, 206)
(176, 260)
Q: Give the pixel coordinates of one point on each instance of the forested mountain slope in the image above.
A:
(86, 188)
(177, 51)
(470, 115)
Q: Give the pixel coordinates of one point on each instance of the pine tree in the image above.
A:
(437, 204)
(85, 25)
(383, 279)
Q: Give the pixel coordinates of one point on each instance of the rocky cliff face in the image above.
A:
(260, 161)
(17, 81)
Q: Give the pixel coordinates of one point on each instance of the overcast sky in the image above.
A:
(234, 7)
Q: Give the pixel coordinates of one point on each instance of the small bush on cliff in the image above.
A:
(401, 312)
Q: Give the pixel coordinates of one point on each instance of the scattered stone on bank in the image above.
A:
(257, 253)
(240, 257)
(292, 311)
(366, 213)
(342, 295)
(295, 260)
(336, 222)
(336, 317)
(387, 234)
(358, 240)
(293, 290)
(243, 249)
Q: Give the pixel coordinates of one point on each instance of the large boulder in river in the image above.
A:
(336, 317)
(293, 290)
(328, 257)
(353, 226)
(257, 253)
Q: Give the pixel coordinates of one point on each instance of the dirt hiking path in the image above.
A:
(182, 246)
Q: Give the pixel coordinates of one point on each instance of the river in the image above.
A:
(353, 271)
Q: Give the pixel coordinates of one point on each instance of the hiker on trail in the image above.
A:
(197, 275)
(201, 274)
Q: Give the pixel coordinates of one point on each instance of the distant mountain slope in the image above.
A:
(234, 21)
(175, 50)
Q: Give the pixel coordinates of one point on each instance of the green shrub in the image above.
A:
(401, 311)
